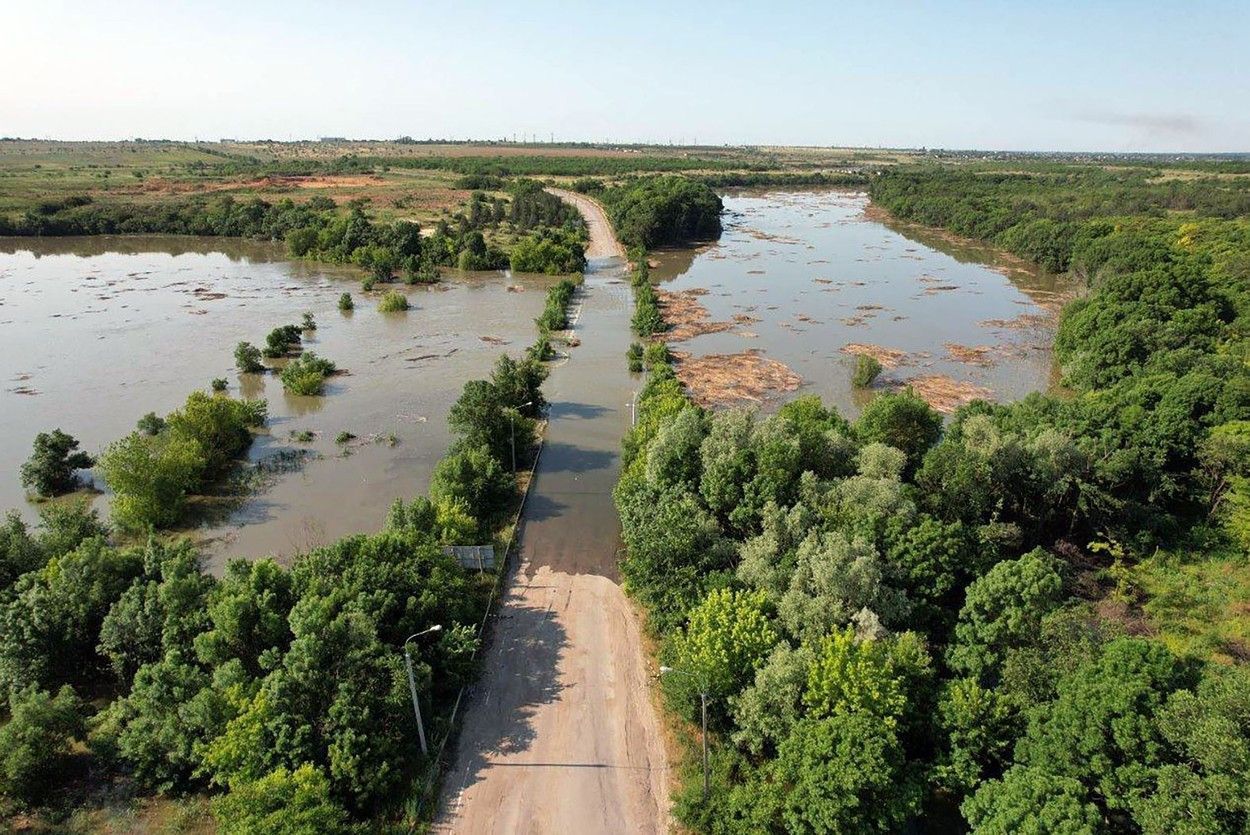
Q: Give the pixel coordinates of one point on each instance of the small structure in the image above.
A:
(481, 557)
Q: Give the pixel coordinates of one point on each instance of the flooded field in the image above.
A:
(96, 332)
(801, 282)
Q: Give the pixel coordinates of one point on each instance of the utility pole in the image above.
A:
(412, 686)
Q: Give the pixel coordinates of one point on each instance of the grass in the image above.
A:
(1198, 605)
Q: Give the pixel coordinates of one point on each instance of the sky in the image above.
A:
(1009, 75)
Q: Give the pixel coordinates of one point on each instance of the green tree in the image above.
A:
(978, 727)
(1003, 610)
(726, 639)
(50, 627)
(473, 476)
(151, 478)
(901, 420)
(1029, 801)
(50, 470)
(282, 802)
(35, 743)
(765, 712)
(844, 774)
(247, 615)
(246, 359)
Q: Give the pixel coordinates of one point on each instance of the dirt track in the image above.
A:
(560, 734)
(603, 244)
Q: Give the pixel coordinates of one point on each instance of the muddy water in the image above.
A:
(819, 273)
(96, 332)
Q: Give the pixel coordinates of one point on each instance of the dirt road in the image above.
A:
(603, 244)
(560, 735)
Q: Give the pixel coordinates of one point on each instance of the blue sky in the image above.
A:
(1119, 76)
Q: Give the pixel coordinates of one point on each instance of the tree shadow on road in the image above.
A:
(520, 675)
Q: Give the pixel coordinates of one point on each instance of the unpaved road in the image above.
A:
(560, 735)
(603, 244)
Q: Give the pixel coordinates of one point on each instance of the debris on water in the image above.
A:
(686, 316)
(888, 357)
(734, 379)
(944, 393)
(493, 340)
(981, 355)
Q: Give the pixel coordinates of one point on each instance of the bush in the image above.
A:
(281, 341)
(247, 358)
(50, 470)
(555, 315)
(473, 476)
(306, 375)
(634, 356)
(219, 384)
(393, 301)
(345, 303)
(35, 743)
(866, 370)
(282, 803)
(309, 323)
(150, 424)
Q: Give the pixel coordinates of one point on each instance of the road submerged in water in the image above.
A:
(560, 733)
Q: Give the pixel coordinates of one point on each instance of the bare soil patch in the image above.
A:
(734, 379)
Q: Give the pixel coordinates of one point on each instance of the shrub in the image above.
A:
(344, 437)
(306, 374)
(151, 423)
(50, 469)
(634, 356)
(345, 303)
(282, 803)
(281, 341)
(393, 302)
(309, 323)
(866, 370)
(247, 358)
(36, 742)
(219, 384)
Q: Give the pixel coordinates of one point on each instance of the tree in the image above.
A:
(282, 802)
(247, 358)
(19, 552)
(1208, 789)
(901, 420)
(162, 610)
(473, 476)
(151, 478)
(1101, 729)
(726, 639)
(35, 742)
(50, 470)
(50, 627)
(765, 712)
(836, 577)
(247, 615)
(1029, 801)
(978, 728)
(1003, 610)
(868, 676)
(844, 774)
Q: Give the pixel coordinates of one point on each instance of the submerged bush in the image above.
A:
(345, 302)
(634, 356)
(866, 370)
(393, 301)
(50, 470)
(306, 374)
(247, 358)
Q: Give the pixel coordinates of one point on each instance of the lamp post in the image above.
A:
(412, 685)
(512, 413)
(703, 697)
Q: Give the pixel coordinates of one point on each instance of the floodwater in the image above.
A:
(819, 274)
(96, 332)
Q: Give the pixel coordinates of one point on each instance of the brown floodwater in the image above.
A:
(95, 332)
(817, 271)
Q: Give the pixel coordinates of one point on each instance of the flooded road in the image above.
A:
(96, 332)
(560, 734)
(810, 278)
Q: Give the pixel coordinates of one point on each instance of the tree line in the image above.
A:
(281, 692)
(909, 625)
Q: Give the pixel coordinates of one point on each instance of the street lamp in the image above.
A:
(703, 697)
(512, 413)
(412, 685)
